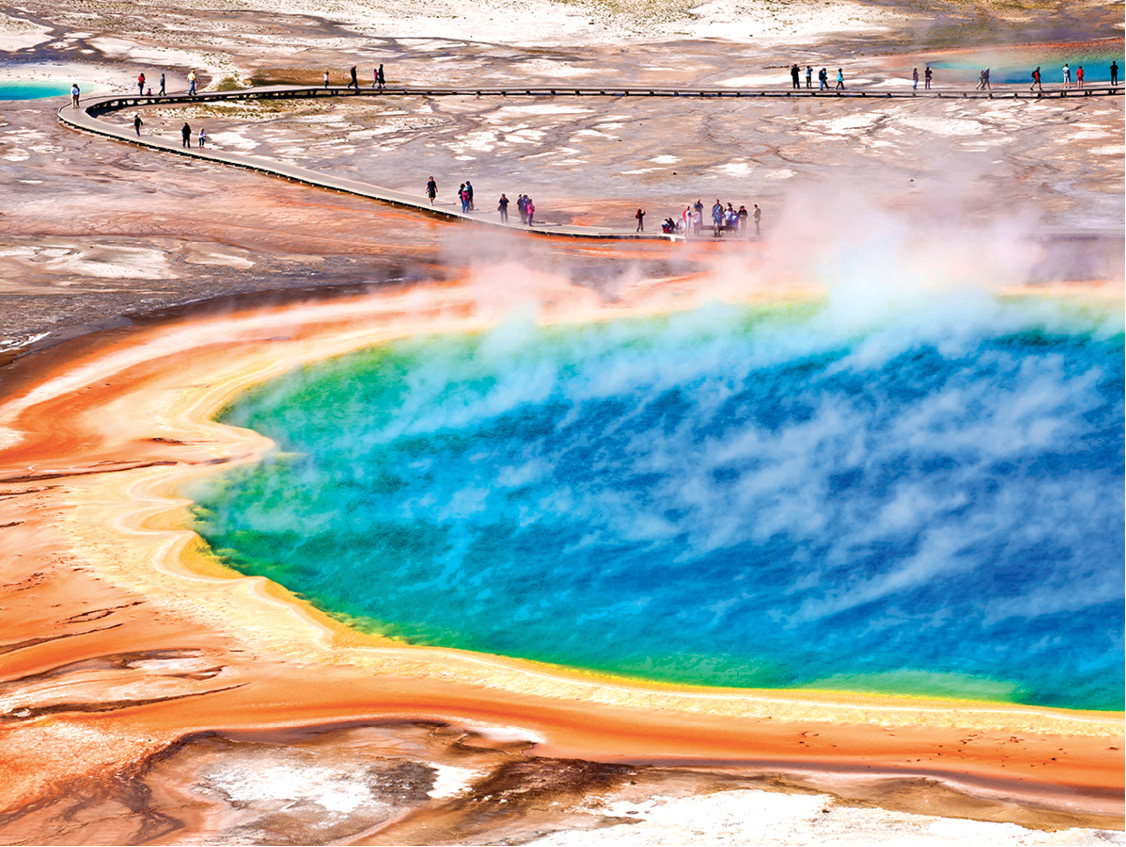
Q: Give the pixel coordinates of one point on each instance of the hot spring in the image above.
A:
(735, 496)
(32, 89)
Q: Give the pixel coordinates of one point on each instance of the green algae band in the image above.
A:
(731, 496)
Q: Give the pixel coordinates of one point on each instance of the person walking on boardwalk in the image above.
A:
(698, 218)
(186, 136)
(379, 78)
(431, 189)
(326, 79)
(530, 208)
(985, 86)
(502, 207)
(1114, 73)
(191, 83)
(461, 198)
(915, 79)
(757, 216)
(162, 85)
(141, 84)
(1066, 76)
(202, 138)
(1079, 76)
(823, 78)
(1036, 80)
(640, 220)
(795, 75)
(522, 208)
(717, 216)
(355, 83)
(809, 77)
(927, 74)
(840, 80)
(742, 215)
(469, 196)
(137, 124)
(75, 93)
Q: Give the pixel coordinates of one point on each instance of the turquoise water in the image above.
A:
(733, 496)
(1005, 68)
(32, 90)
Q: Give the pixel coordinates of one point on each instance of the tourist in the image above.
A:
(1079, 76)
(980, 80)
(469, 196)
(1114, 73)
(355, 83)
(326, 79)
(840, 79)
(162, 85)
(431, 189)
(742, 215)
(809, 76)
(698, 219)
(141, 84)
(75, 93)
(795, 75)
(686, 218)
(985, 80)
(823, 78)
(502, 207)
(1036, 79)
(522, 206)
(530, 208)
(186, 136)
(201, 139)
(461, 198)
(717, 216)
(1066, 76)
(380, 78)
(137, 124)
(927, 74)
(640, 220)
(915, 79)
(191, 83)
(757, 216)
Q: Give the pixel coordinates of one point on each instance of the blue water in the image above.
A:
(1095, 64)
(32, 90)
(734, 496)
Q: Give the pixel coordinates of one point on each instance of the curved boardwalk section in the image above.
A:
(86, 118)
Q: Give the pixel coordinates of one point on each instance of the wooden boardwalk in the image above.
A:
(86, 119)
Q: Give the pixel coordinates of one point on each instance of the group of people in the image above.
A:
(822, 78)
(378, 80)
(145, 90)
(524, 203)
(524, 206)
(1038, 79)
(725, 218)
(186, 136)
(928, 75)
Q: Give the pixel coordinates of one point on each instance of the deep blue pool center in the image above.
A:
(737, 496)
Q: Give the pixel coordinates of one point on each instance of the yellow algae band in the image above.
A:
(142, 426)
(165, 562)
